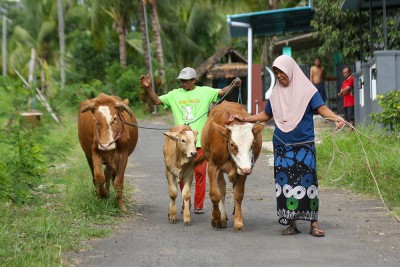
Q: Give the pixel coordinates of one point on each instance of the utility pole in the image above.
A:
(148, 51)
(4, 41)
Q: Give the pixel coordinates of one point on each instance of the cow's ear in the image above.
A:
(221, 130)
(257, 128)
(171, 135)
(126, 101)
(89, 106)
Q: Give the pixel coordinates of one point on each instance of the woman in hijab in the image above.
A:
(293, 102)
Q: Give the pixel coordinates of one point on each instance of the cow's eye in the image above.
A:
(183, 140)
(233, 147)
(97, 123)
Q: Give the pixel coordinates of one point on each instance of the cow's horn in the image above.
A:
(87, 107)
(124, 107)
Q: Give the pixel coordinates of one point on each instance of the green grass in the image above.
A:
(64, 213)
(267, 133)
(352, 164)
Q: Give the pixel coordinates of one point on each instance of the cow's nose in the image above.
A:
(245, 171)
(194, 154)
(106, 146)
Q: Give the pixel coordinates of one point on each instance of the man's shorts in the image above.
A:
(349, 113)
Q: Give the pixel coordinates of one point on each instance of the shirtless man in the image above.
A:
(317, 76)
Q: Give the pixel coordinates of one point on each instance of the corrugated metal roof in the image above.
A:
(364, 4)
(272, 22)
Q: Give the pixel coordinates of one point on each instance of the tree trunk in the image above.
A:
(157, 41)
(143, 31)
(62, 41)
(122, 43)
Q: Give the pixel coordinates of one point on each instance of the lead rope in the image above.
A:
(372, 174)
(365, 154)
(219, 101)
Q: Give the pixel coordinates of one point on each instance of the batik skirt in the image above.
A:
(296, 183)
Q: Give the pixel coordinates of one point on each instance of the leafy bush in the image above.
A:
(124, 82)
(74, 94)
(390, 115)
(25, 152)
(23, 163)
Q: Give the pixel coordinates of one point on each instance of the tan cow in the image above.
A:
(107, 140)
(179, 154)
(232, 148)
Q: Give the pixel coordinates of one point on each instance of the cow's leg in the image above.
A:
(222, 189)
(238, 193)
(215, 196)
(90, 162)
(99, 178)
(188, 179)
(173, 193)
(119, 180)
(108, 172)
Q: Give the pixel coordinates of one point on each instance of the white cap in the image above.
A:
(187, 74)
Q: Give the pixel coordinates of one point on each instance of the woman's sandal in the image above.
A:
(315, 231)
(291, 230)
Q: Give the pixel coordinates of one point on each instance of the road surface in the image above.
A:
(359, 232)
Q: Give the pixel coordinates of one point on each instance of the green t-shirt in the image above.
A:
(188, 106)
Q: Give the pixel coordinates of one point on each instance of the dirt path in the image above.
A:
(358, 230)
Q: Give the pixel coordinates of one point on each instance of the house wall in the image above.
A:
(258, 103)
(378, 76)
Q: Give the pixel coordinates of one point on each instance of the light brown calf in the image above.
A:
(179, 154)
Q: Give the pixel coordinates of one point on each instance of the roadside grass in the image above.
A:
(63, 213)
(267, 133)
(350, 170)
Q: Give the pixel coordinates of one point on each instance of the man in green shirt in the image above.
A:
(189, 105)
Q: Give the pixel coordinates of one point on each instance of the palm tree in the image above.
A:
(121, 12)
(35, 27)
(143, 30)
(157, 39)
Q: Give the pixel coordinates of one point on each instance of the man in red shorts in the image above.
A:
(348, 97)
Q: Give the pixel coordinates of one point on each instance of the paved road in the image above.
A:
(358, 230)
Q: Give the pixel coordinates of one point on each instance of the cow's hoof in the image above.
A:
(102, 194)
(216, 224)
(172, 220)
(187, 223)
(123, 208)
(238, 227)
(224, 224)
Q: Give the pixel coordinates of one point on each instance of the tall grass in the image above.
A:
(64, 212)
(383, 155)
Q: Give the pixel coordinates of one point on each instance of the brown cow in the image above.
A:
(232, 148)
(107, 140)
(179, 154)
